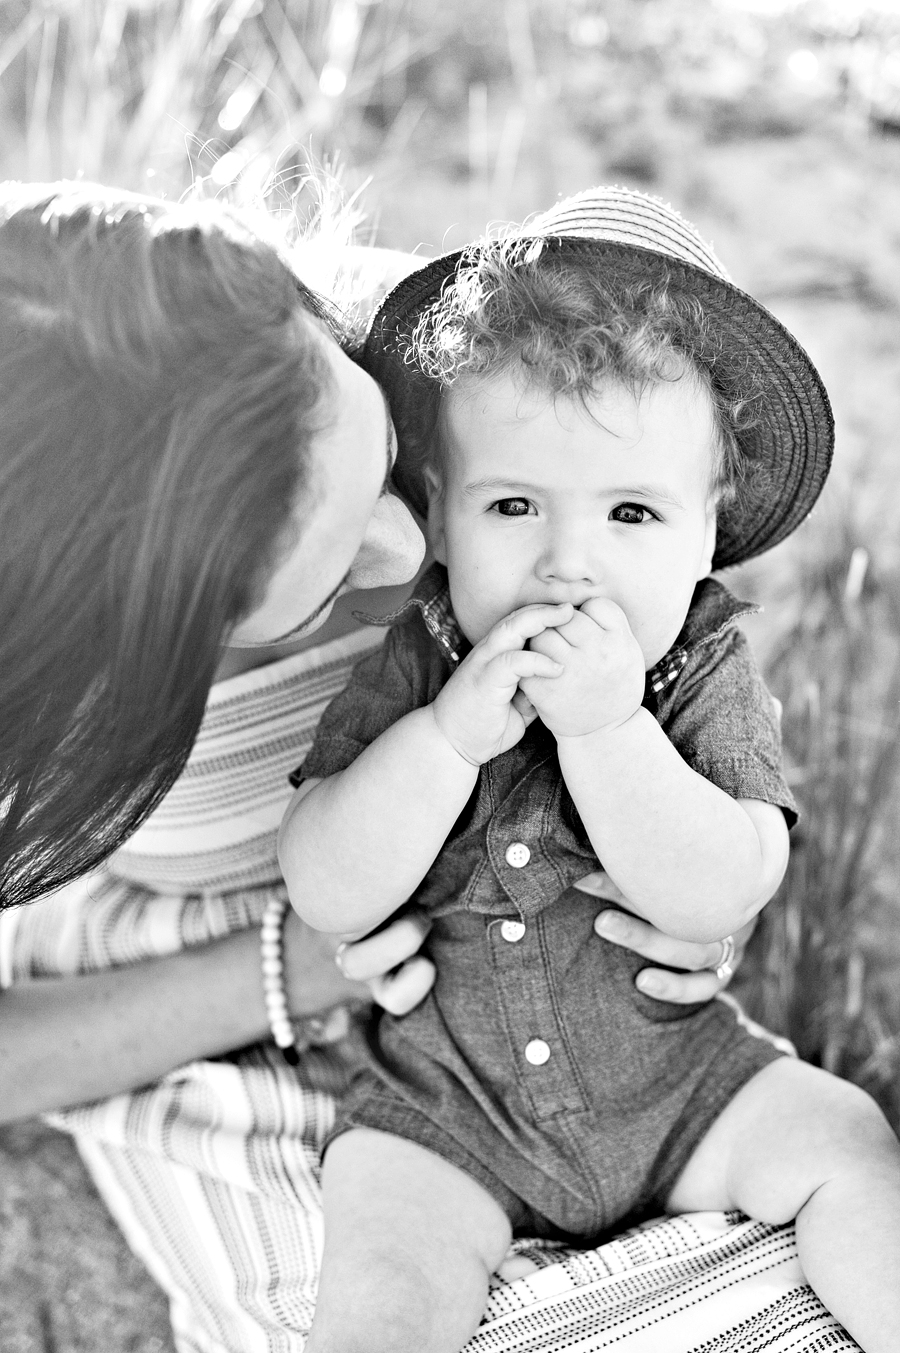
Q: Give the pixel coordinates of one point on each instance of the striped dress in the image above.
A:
(212, 1173)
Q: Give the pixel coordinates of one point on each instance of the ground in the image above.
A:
(68, 1282)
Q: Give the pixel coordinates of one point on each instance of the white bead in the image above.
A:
(271, 936)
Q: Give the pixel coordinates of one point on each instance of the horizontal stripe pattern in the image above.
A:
(217, 827)
(636, 219)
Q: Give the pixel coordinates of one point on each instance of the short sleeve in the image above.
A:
(382, 689)
(722, 720)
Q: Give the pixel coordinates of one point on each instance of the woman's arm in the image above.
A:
(68, 1040)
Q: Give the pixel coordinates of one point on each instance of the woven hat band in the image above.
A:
(618, 216)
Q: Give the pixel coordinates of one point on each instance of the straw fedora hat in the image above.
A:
(635, 238)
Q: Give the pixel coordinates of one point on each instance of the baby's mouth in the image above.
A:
(576, 601)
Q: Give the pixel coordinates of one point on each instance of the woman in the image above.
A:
(193, 474)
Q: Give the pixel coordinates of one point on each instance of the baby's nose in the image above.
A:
(571, 559)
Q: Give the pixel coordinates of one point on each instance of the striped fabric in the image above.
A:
(213, 1172)
(623, 216)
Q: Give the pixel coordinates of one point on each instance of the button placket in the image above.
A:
(521, 867)
(537, 1045)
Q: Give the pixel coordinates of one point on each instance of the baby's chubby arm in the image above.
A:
(355, 846)
(692, 860)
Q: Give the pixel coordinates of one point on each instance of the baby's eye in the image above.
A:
(512, 507)
(631, 514)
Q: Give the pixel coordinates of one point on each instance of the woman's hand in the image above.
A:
(699, 983)
(321, 972)
(396, 974)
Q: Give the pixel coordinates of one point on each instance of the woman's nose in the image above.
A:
(392, 548)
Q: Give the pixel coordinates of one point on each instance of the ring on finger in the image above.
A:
(724, 968)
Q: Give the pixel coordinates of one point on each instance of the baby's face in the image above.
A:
(543, 501)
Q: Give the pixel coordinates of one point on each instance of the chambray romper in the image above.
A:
(535, 1064)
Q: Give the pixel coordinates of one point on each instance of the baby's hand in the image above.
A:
(602, 681)
(479, 711)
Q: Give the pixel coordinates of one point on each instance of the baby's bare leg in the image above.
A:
(796, 1142)
(410, 1242)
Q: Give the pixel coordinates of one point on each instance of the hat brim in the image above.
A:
(790, 444)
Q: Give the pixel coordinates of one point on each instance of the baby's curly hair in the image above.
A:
(529, 304)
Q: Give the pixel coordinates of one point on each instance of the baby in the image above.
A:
(567, 687)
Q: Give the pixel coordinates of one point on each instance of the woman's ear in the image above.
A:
(434, 488)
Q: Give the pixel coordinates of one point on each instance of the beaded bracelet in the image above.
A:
(271, 948)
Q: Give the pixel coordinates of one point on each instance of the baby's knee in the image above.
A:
(796, 1130)
(370, 1321)
(398, 1305)
(853, 1135)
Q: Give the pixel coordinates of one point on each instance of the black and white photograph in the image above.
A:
(449, 676)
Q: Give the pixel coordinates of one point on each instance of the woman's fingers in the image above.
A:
(698, 983)
(377, 955)
(312, 982)
(390, 964)
(680, 988)
(401, 991)
(321, 972)
(645, 939)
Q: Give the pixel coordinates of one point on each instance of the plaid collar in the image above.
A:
(432, 599)
(713, 610)
(666, 670)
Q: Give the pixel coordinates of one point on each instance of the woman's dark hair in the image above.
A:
(158, 389)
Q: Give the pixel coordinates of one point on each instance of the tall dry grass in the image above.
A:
(128, 91)
(153, 93)
(824, 965)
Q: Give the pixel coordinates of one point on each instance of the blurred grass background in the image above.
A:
(773, 124)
